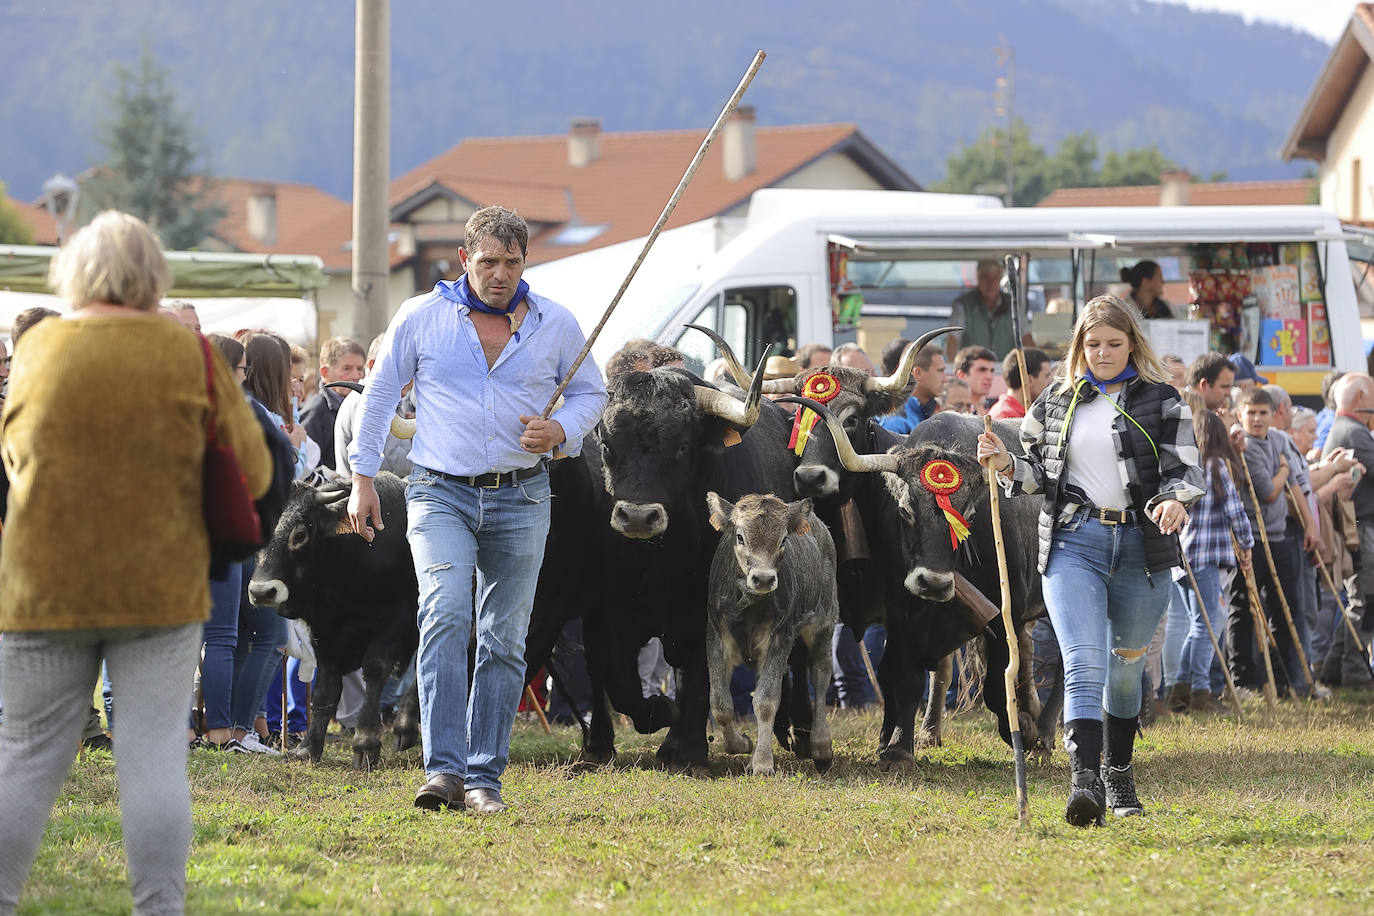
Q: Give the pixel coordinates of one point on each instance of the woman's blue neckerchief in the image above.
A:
(459, 291)
(1126, 375)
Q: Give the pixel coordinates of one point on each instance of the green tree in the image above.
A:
(982, 165)
(1134, 167)
(13, 229)
(153, 159)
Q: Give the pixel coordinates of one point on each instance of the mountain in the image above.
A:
(269, 84)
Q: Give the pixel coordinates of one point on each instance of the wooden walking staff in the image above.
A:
(1262, 634)
(1274, 570)
(1347, 614)
(1212, 634)
(538, 710)
(1013, 669)
(1013, 270)
(658, 227)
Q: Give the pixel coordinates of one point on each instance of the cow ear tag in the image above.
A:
(717, 521)
(731, 437)
(344, 526)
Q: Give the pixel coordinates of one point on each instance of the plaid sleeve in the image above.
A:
(1028, 472)
(1180, 477)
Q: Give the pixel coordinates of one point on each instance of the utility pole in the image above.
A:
(1006, 92)
(371, 166)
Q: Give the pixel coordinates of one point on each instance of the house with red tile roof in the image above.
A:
(1335, 127)
(578, 191)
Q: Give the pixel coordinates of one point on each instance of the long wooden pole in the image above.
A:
(1347, 614)
(1212, 634)
(1262, 634)
(658, 227)
(872, 677)
(1274, 574)
(1013, 670)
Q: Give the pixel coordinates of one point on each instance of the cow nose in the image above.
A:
(639, 520)
(763, 580)
(267, 592)
(813, 480)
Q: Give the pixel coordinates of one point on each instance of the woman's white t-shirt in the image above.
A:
(1093, 464)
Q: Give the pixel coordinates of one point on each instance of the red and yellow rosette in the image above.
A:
(941, 478)
(821, 387)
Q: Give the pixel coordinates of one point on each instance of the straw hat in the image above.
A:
(780, 367)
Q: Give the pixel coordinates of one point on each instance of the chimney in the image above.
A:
(262, 215)
(737, 144)
(1173, 189)
(584, 142)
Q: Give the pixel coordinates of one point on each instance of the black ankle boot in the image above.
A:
(1087, 795)
(1117, 774)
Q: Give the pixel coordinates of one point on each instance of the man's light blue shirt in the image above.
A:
(466, 414)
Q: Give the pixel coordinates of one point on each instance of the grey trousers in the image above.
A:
(48, 677)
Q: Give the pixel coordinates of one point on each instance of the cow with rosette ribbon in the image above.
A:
(940, 572)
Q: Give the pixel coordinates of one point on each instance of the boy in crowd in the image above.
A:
(928, 376)
(975, 367)
(1014, 401)
(1268, 465)
(341, 360)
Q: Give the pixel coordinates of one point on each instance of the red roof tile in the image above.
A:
(625, 188)
(40, 222)
(1200, 194)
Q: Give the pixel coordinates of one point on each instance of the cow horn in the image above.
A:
(852, 460)
(719, 404)
(737, 371)
(351, 386)
(403, 427)
(330, 494)
(900, 378)
(781, 386)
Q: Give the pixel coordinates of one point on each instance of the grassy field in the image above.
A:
(1276, 815)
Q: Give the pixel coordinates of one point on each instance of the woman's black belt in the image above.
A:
(491, 480)
(1115, 516)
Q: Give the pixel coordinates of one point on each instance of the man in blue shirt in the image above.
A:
(929, 376)
(485, 355)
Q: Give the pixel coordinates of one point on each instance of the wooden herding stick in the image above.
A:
(1274, 573)
(658, 227)
(1262, 634)
(1013, 669)
(1347, 614)
(538, 710)
(1212, 634)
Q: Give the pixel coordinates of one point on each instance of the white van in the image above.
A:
(820, 269)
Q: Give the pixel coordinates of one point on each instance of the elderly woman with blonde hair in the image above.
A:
(106, 551)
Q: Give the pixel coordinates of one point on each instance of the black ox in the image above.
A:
(924, 573)
(359, 600)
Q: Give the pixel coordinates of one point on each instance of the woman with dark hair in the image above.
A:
(1111, 447)
(261, 630)
(1207, 544)
(232, 351)
(1146, 280)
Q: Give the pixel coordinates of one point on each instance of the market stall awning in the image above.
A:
(886, 246)
(195, 274)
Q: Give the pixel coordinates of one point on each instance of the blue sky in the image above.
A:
(1324, 18)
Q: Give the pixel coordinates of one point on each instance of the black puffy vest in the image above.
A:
(1144, 401)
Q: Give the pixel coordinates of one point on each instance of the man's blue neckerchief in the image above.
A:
(459, 291)
(1126, 375)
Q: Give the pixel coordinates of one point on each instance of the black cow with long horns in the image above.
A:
(936, 518)
(664, 441)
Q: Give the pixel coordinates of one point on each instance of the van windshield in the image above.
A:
(644, 318)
